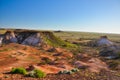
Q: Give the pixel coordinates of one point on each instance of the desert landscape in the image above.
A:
(58, 55)
(59, 39)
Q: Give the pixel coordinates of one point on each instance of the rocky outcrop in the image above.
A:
(10, 37)
(34, 40)
(93, 65)
(25, 37)
(108, 48)
(110, 52)
(103, 41)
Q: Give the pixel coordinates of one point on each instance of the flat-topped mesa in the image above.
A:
(34, 38)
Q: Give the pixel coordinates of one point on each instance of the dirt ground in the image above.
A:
(15, 55)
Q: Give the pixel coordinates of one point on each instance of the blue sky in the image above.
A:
(72, 15)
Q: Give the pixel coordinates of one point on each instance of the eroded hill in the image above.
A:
(46, 52)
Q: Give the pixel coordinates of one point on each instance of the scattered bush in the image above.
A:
(113, 64)
(65, 71)
(75, 70)
(76, 50)
(19, 71)
(6, 49)
(60, 72)
(34, 73)
(55, 41)
(68, 72)
(31, 74)
(37, 73)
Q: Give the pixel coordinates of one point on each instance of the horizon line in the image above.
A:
(64, 30)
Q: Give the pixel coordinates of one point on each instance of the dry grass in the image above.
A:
(2, 31)
(67, 35)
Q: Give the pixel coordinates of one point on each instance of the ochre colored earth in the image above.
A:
(16, 55)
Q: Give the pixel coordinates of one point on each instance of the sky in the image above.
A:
(68, 15)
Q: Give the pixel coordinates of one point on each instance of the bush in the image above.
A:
(75, 70)
(60, 72)
(65, 72)
(68, 71)
(31, 74)
(19, 71)
(37, 73)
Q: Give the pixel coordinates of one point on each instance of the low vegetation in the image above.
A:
(8, 49)
(19, 71)
(34, 57)
(36, 74)
(113, 64)
(2, 31)
(69, 35)
(56, 41)
(68, 72)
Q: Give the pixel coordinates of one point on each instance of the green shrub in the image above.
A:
(75, 70)
(19, 71)
(55, 41)
(37, 73)
(60, 72)
(65, 72)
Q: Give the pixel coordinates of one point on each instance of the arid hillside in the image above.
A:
(56, 58)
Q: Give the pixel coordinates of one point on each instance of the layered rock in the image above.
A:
(34, 40)
(26, 38)
(103, 41)
(108, 49)
(10, 37)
